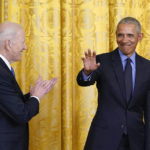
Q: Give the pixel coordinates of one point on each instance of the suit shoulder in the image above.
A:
(104, 56)
(145, 60)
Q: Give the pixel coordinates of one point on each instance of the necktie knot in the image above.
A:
(12, 71)
(128, 61)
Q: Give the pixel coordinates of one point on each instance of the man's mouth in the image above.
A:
(125, 45)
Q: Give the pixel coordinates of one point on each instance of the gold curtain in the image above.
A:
(57, 34)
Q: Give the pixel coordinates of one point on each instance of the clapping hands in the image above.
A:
(42, 87)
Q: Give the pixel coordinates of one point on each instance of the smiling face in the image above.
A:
(17, 46)
(127, 38)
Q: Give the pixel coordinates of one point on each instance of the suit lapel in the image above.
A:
(118, 69)
(2, 63)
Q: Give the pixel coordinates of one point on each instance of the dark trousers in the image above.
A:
(124, 143)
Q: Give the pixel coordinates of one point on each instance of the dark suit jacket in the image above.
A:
(15, 112)
(114, 114)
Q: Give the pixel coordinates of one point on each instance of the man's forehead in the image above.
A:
(127, 28)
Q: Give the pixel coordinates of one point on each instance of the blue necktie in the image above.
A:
(128, 79)
(12, 71)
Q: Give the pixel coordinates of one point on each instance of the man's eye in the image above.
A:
(120, 35)
(130, 35)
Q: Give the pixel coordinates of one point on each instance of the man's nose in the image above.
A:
(25, 46)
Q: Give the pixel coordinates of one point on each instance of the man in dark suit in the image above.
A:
(123, 81)
(16, 109)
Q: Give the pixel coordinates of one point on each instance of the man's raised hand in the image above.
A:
(89, 62)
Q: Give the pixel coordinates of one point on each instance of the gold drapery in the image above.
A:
(57, 34)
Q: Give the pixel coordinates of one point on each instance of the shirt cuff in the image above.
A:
(85, 77)
(36, 98)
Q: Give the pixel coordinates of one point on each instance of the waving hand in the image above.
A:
(89, 62)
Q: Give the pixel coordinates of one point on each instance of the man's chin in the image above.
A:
(18, 59)
(125, 51)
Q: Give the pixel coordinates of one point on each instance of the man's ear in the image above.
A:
(141, 35)
(8, 44)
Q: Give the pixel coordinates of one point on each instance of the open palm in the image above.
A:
(90, 62)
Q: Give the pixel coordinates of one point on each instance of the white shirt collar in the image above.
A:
(6, 61)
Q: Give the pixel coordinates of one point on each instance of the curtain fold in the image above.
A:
(67, 66)
(57, 34)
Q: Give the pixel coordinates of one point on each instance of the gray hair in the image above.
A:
(131, 20)
(8, 30)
